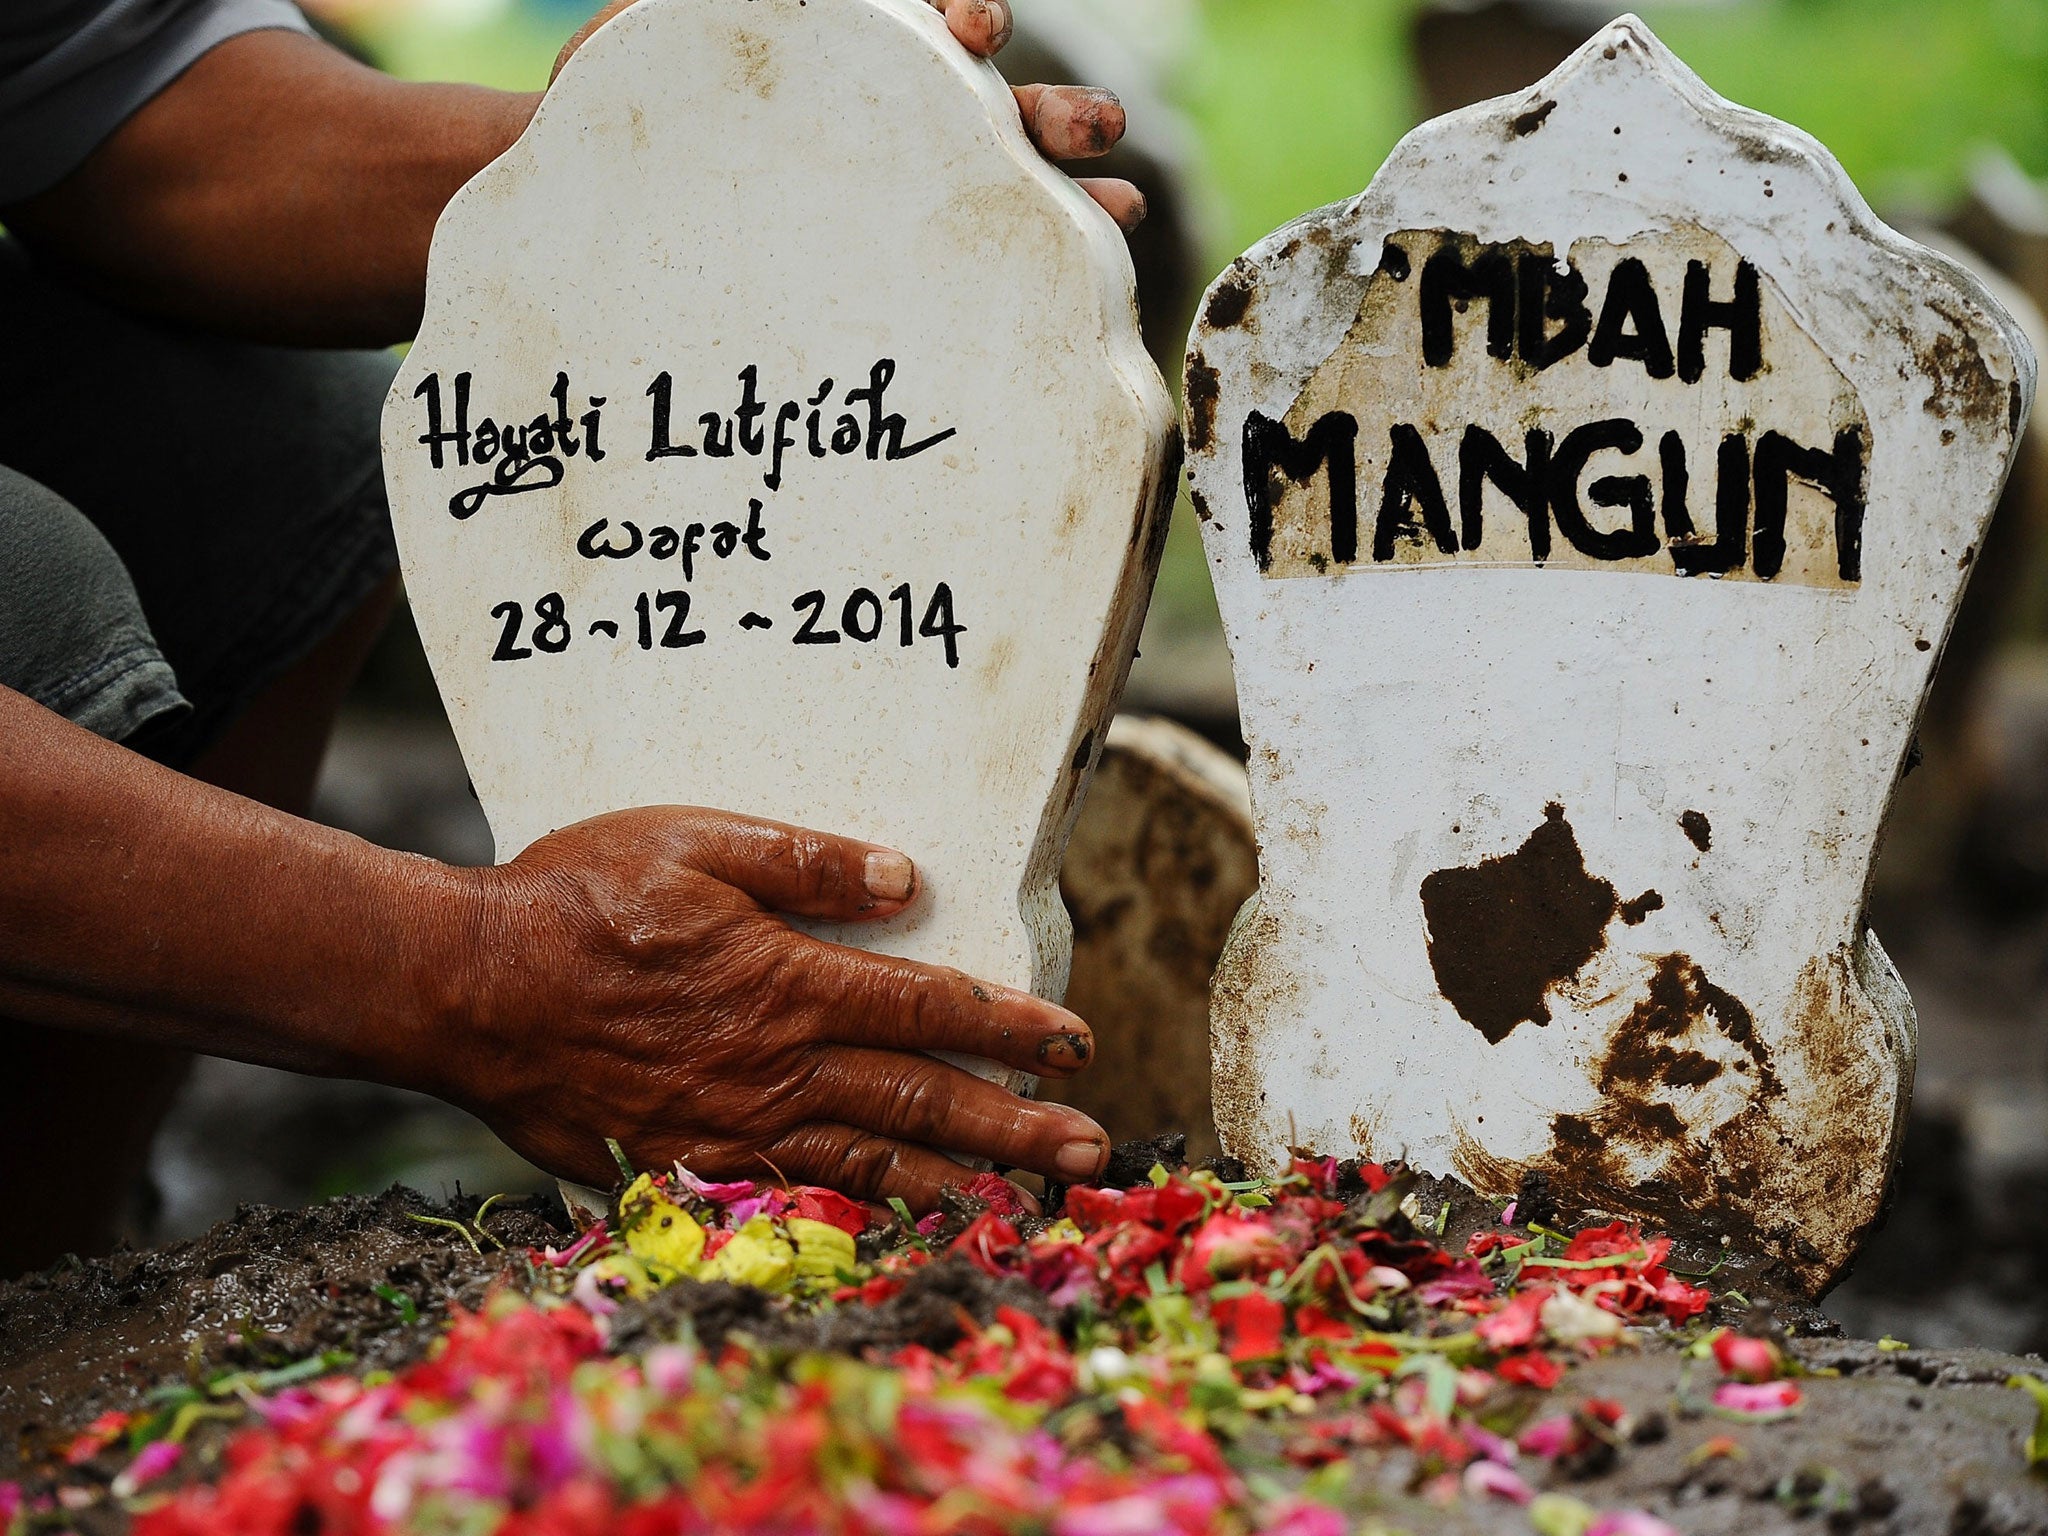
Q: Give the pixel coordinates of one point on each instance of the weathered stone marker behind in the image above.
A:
(1159, 864)
(1588, 502)
(780, 439)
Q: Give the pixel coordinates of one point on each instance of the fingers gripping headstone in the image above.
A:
(1588, 502)
(779, 439)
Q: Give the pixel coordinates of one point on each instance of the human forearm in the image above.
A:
(277, 190)
(628, 976)
(136, 901)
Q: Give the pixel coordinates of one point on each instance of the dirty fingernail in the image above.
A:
(1064, 1050)
(1106, 117)
(998, 20)
(888, 876)
(1134, 214)
(1078, 1159)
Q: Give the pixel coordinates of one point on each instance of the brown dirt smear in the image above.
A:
(1505, 931)
(1248, 990)
(1203, 388)
(1231, 299)
(1697, 829)
(1703, 1130)
(1960, 379)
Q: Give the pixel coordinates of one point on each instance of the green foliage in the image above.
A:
(1901, 90)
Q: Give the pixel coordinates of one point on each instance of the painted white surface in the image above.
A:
(803, 190)
(1420, 714)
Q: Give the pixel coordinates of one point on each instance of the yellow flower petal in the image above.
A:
(758, 1255)
(822, 1250)
(663, 1233)
(623, 1266)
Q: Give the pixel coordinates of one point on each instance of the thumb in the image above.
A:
(805, 873)
(582, 35)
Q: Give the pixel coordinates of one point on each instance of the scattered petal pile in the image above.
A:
(1189, 1356)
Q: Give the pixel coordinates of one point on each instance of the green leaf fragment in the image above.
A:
(1440, 1381)
(2037, 1442)
(456, 1227)
(189, 1416)
(626, 1170)
(477, 1221)
(1634, 1255)
(391, 1295)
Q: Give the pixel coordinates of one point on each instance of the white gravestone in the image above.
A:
(1587, 502)
(779, 439)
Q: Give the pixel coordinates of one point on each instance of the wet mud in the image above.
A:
(265, 1288)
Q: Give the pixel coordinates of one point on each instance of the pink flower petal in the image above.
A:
(1765, 1398)
(150, 1463)
(717, 1194)
(1630, 1522)
(1489, 1479)
(1547, 1438)
(590, 1296)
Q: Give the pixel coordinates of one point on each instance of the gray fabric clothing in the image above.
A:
(72, 71)
(72, 634)
(182, 518)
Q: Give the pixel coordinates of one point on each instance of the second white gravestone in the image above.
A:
(779, 439)
(1588, 502)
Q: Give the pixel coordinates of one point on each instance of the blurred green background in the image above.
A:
(1296, 102)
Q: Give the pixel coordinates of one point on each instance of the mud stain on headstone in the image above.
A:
(1506, 930)
(1695, 1121)
(1684, 1081)
(1231, 298)
(1959, 376)
(1644, 1055)
(1698, 830)
(1203, 386)
(1238, 1039)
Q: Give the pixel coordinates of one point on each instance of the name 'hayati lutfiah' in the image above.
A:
(1539, 313)
(530, 456)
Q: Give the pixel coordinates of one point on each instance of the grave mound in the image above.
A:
(1346, 1344)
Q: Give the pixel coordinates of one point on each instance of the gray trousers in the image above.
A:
(182, 518)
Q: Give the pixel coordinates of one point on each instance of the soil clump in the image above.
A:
(359, 1275)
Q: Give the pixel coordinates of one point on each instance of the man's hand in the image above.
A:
(625, 977)
(1066, 122)
(634, 980)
